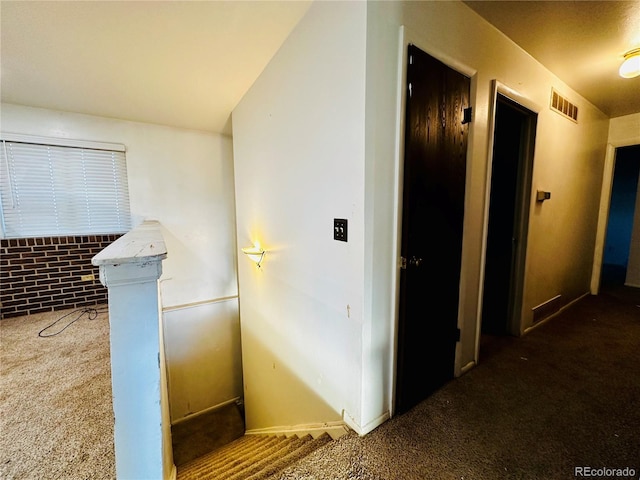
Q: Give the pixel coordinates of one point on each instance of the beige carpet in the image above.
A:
(252, 457)
(56, 415)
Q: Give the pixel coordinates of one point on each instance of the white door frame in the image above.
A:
(603, 212)
(406, 37)
(497, 88)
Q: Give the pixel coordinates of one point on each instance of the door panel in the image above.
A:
(433, 212)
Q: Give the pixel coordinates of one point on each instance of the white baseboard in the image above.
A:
(334, 429)
(375, 423)
(362, 430)
(467, 367)
(206, 410)
(173, 474)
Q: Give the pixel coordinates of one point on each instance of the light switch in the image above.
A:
(340, 229)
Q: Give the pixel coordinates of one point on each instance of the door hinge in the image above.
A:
(403, 263)
(410, 89)
(466, 115)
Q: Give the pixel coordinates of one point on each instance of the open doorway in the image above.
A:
(622, 214)
(508, 217)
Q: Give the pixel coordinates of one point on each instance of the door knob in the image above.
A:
(415, 261)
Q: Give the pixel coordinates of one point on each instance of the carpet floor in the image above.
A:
(564, 396)
(56, 416)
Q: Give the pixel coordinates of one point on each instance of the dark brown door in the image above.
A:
(433, 211)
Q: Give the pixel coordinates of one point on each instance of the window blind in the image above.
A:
(53, 190)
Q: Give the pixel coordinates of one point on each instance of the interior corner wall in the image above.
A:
(183, 179)
(381, 207)
(298, 138)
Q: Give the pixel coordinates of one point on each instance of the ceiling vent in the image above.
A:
(563, 106)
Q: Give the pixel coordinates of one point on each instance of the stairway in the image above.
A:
(251, 457)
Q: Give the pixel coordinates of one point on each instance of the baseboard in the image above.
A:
(362, 430)
(206, 410)
(467, 367)
(629, 284)
(547, 309)
(375, 423)
(334, 429)
(560, 310)
(173, 474)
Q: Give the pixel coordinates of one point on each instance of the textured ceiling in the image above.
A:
(187, 64)
(179, 63)
(582, 42)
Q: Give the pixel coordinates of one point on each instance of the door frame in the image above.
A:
(406, 37)
(526, 179)
(605, 204)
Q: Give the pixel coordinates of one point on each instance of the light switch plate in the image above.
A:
(340, 229)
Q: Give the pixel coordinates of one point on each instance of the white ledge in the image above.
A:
(141, 245)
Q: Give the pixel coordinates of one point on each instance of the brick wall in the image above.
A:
(43, 274)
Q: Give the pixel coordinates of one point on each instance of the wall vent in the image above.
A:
(563, 106)
(546, 309)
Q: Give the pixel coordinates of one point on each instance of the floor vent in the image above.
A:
(563, 106)
(546, 309)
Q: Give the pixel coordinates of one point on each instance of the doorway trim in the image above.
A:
(603, 212)
(499, 88)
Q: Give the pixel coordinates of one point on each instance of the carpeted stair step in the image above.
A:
(252, 457)
(294, 456)
(228, 461)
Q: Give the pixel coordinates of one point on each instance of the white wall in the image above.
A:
(298, 138)
(299, 144)
(625, 131)
(381, 209)
(206, 365)
(183, 179)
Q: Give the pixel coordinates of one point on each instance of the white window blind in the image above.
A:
(53, 190)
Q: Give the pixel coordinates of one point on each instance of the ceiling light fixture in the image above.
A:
(630, 68)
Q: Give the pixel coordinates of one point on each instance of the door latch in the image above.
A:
(415, 262)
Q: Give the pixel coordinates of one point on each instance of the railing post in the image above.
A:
(130, 268)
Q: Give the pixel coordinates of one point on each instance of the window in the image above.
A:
(53, 187)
